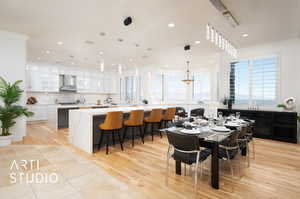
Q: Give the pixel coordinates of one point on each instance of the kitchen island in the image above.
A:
(58, 115)
(83, 128)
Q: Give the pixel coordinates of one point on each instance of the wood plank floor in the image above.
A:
(274, 173)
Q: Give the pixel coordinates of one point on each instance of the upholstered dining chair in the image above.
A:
(154, 119)
(186, 149)
(229, 148)
(135, 121)
(112, 124)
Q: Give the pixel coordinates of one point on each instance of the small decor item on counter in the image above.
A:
(108, 100)
(230, 104)
(224, 101)
(10, 94)
(145, 101)
(289, 104)
(98, 102)
(31, 101)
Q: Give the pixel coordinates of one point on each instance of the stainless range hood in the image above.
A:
(67, 83)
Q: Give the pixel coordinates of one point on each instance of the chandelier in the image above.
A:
(188, 80)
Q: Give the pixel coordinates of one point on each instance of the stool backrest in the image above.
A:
(155, 115)
(113, 120)
(170, 114)
(136, 117)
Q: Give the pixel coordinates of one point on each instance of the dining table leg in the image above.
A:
(178, 167)
(215, 165)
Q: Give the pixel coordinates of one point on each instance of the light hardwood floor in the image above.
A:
(274, 173)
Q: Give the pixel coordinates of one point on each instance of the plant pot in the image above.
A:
(5, 140)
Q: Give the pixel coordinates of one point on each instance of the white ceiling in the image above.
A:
(74, 21)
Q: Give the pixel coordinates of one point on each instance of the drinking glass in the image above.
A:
(220, 115)
(238, 115)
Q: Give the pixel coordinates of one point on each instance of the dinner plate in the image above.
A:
(232, 124)
(190, 131)
(220, 129)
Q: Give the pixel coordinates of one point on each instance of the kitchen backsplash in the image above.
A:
(50, 98)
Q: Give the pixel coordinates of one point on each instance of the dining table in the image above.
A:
(210, 138)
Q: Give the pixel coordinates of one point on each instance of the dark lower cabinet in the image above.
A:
(274, 125)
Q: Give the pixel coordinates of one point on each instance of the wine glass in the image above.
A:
(237, 115)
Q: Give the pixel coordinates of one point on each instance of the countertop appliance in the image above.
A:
(67, 83)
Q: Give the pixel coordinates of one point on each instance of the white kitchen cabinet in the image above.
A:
(40, 113)
(42, 80)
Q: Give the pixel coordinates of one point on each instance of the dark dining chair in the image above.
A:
(198, 112)
(186, 149)
(229, 148)
(180, 112)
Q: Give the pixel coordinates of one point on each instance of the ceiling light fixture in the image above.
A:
(38, 58)
(72, 63)
(120, 69)
(197, 42)
(171, 25)
(219, 40)
(188, 80)
(245, 35)
(102, 33)
(89, 42)
(120, 40)
(102, 67)
(48, 51)
(130, 59)
(60, 43)
(100, 53)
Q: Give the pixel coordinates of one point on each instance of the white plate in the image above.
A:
(220, 129)
(232, 124)
(190, 131)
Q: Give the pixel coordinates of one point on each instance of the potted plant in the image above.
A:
(9, 111)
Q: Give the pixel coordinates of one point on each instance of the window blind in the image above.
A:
(264, 81)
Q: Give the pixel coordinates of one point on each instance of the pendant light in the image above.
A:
(188, 79)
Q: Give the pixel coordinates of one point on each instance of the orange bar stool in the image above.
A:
(135, 121)
(112, 124)
(168, 116)
(154, 118)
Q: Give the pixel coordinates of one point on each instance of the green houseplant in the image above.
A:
(9, 111)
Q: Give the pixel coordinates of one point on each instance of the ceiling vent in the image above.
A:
(225, 12)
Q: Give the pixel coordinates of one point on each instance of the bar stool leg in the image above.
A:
(160, 133)
(132, 136)
(141, 133)
(113, 137)
(125, 132)
(121, 141)
(107, 140)
(101, 138)
(151, 128)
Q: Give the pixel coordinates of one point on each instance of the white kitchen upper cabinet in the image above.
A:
(42, 79)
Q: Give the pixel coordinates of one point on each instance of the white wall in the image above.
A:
(12, 68)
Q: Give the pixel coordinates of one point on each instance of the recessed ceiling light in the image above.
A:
(89, 42)
(171, 25)
(100, 53)
(71, 56)
(144, 56)
(130, 59)
(137, 45)
(38, 58)
(60, 43)
(197, 42)
(120, 39)
(48, 51)
(149, 49)
(102, 33)
(72, 63)
(245, 35)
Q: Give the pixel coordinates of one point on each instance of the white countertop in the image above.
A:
(78, 105)
(122, 108)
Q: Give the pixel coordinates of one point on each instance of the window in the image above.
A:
(254, 81)
(157, 88)
(130, 89)
(175, 88)
(264, 80)
(201, 87)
